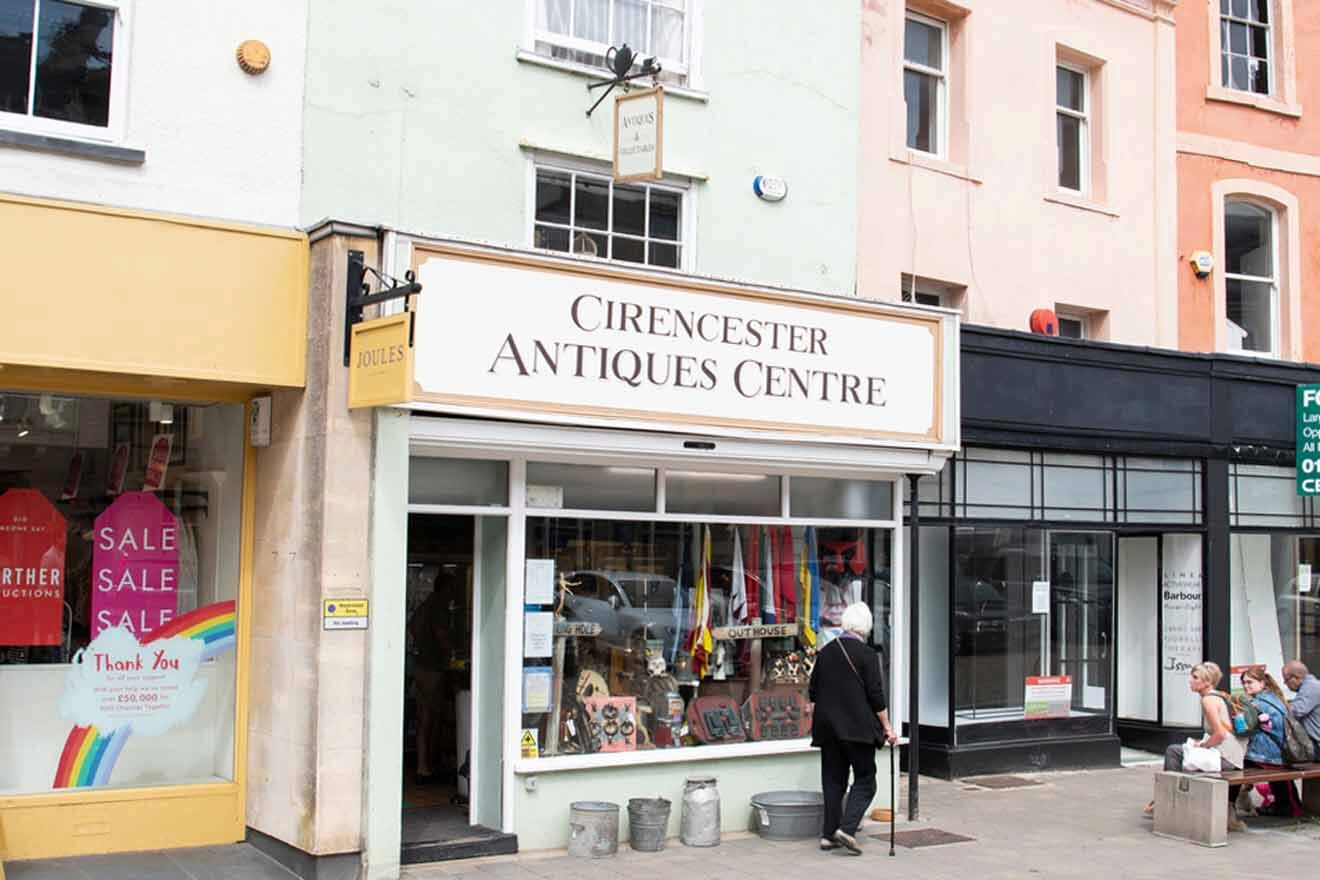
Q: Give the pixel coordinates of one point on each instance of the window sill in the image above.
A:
(528, 57)
(1079, 202)
(1247, 99)
(72, 147)
(663, 756)
(917, 159)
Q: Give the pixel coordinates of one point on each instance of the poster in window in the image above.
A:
(32, 542)
(157, 462)
(114, 477)
(135, 565)
(1181, 598)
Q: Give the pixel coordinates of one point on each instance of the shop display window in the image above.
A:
(1259, 495)
(1275, 593)
(1032, 625)
(119, 572)
(643, 635)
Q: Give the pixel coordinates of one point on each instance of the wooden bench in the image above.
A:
(1309, 774)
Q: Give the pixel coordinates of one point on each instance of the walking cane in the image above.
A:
(893, 798)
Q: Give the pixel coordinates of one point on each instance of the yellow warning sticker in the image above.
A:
(528, 745)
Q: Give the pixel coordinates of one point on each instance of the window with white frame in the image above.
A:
(1244, 45)
(1250, 277)
(58, 67)
(1073, 127)
(589, 214)
(925, 81)
(582, 31)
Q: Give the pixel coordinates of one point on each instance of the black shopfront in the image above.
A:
(1116, 515)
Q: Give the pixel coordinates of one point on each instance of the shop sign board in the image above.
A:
(345, 613)
(1308, 440)
(639, 126)
(518, 337)
(135, 565)
(32, 543)
(380, 366)
(1047, 696)
(755, 631)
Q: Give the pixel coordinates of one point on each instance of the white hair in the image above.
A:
(857, 619)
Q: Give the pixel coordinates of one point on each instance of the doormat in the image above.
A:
(919, 837)
(998, 782)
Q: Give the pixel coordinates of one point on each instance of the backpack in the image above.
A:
(1297, 745)
(1243, 717)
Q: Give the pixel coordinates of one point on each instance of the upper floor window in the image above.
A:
(1071, 114)
(1251, 278)
(1244, 45)
(582, 31)
(925, 82)
(589, 214)
(58, 65)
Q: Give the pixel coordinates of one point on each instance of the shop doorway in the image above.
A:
(453, 672)
(1081, 615)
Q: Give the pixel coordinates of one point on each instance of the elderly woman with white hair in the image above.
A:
(850, 719)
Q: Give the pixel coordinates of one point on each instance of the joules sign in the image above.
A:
(522, 339)
(135, 565)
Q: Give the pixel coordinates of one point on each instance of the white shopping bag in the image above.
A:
(1197, 759)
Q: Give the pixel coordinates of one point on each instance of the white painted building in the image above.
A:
(159, 116)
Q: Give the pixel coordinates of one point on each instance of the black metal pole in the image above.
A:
(914, 644)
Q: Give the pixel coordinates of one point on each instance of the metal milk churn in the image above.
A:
(701, 812)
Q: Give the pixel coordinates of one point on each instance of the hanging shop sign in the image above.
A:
(32, 542)
(639, 126)
(518, 337)
(1308, 439)
(135, 565)
(380, 367)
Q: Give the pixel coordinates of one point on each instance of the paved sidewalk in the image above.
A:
(237, 862)
(1084, 824)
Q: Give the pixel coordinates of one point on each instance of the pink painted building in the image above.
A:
(1249, 176)
(1014, 162)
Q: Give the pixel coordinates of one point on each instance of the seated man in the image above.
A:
(1306, 705)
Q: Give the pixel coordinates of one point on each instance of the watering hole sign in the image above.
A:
(345, 614)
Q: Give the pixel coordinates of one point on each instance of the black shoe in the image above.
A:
(847, 841)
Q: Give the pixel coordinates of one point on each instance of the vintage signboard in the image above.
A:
(755, 631)
(556, 342)
(639, 125)
(380, 367)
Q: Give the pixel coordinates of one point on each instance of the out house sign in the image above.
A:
(639, 125)
(518, 337)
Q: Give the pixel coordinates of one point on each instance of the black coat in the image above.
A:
(846, 703)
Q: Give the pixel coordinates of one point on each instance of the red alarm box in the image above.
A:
(1045, 322)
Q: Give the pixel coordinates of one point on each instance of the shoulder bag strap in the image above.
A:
(851, 665)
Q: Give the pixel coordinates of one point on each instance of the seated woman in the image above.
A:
(1266, 746)
(1218, 728)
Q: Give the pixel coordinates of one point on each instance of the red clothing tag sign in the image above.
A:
(32, 536)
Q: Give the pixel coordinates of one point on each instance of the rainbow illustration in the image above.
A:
(213, 624)
(89, 755)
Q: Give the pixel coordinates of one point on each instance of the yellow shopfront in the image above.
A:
(132, 348)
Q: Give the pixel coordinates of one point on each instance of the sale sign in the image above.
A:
(135, 565)
(32, 536)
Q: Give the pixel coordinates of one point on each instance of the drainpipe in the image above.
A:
(914, 644)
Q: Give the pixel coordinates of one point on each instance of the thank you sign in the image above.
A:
(553, 343)
(639, 121)
(1308, 439)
